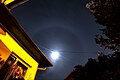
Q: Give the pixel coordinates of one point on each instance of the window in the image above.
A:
(18, 71)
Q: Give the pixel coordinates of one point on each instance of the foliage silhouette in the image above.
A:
(106, 13)
(105, 67)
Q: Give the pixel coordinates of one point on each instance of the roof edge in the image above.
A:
(16, 31)
(15, 3)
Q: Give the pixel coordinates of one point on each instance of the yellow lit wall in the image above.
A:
(12, 45)
(7, 1)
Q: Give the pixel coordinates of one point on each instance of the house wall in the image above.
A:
(4, 51)
(7, 1)
(13, 46)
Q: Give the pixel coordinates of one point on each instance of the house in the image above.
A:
(19, 55)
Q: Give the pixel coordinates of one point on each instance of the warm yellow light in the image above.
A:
(2, 32)
(4, 51)
(7, 1)
(42, 68)
(13, 46)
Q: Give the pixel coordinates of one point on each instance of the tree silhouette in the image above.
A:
(107, 13)
(105, 67)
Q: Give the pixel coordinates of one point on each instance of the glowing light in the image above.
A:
(8, 1)
(55, 55)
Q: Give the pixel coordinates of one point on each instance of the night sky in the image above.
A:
(65, 26)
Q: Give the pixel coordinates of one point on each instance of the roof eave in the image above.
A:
(17, 32)
(15, 3)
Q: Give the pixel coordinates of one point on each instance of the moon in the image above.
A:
(55, 55)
